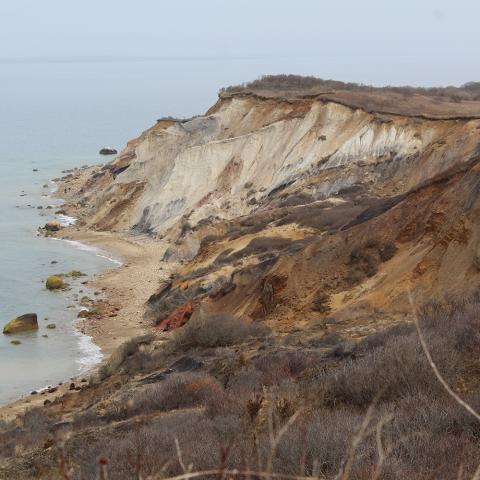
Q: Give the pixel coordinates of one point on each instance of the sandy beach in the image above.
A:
(122, 291)
(125, 289)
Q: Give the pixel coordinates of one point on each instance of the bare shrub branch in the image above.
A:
(445, 385)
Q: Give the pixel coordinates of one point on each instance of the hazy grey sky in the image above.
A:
(375, 41)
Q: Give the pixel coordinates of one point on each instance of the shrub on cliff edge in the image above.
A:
(217, 331)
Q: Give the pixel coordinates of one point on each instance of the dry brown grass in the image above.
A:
(435, 102)
(300, 413)
(217, 331)
(296, 83)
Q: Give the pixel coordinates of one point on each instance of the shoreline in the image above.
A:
(126, 286)
(123, 289)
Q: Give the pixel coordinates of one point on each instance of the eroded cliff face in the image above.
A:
(294, 210)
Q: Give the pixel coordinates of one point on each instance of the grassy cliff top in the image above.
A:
(435, 102)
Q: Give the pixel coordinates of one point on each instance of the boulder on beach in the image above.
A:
(23, 323)
(108, 151)
(55, 282)
(53, 226)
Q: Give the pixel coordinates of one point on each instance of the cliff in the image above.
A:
(288, 208)
(294, 218)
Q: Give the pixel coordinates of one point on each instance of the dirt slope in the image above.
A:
(293, 209)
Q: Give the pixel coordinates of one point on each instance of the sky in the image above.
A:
(422, 42)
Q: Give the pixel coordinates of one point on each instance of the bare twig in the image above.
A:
(62, 463)
(445, 385)
(240, 473)
(275, 440)
(346, 467)
(180, 457)
(382, 454)
(103, 469)
(476, 475)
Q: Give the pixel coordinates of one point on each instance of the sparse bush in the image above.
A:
(365, 259)
(150, 448)
(182, 390)
(395, 371)
(321, 438)
(223, 418)
(387, 251)
(432, 434)
(300, 83)
(144, 361)
(380, 339)
(35, 420)
(217, 331)
(393, 365)
(119, 356)
(321, 302)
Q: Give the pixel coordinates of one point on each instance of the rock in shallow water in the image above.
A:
(53, 226)
(108, 151)
(55, 282)
(75, 274)
(24, 323)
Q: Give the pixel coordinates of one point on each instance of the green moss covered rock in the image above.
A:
(51, 326)
(24, 323)
(75, 274)
(55, 282)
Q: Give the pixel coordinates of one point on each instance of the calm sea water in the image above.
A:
(56, 115)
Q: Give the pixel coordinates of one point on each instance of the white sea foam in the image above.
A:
(110, 259)
(88, 248)
(66, 221)
(91, 354)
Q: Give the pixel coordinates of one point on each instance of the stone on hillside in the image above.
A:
(23, 323)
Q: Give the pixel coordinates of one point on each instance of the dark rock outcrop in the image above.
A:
(108, 151)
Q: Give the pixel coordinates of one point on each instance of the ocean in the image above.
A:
(55, 114)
